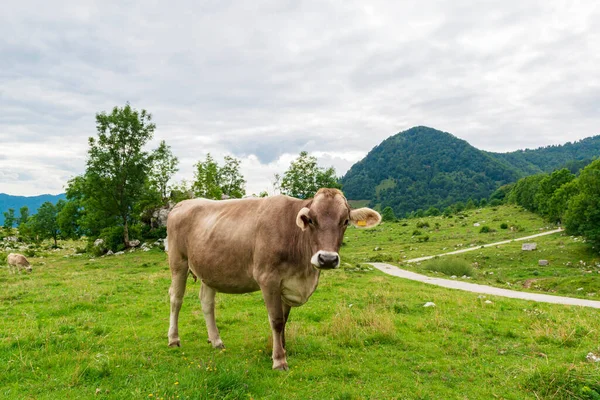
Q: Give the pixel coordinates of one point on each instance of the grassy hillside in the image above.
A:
(96, 328)
(573, 270)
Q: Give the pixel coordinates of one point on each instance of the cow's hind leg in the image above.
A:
(207, 298)
(179, 273)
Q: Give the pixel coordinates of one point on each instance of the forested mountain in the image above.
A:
(33, 202)
(424, 167)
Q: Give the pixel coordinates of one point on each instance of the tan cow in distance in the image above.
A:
(18, 261)
(277, 245)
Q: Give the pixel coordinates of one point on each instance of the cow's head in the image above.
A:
(325, 220)
(28, 268)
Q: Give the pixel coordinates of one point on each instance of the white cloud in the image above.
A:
(264, 80)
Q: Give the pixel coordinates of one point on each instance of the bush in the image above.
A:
(80, 250)
(388, 214)
(495, 203)
(29, 253)
(486, 229)
(154, 233)
(422, 224)
(423, 238)
(449, 266)
(417, 232)
(3, 258)
(503, 225)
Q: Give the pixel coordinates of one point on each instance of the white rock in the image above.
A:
(476, 224)
(429, 304)
(579, 289)
(488, 302)
(109, 253)
(134, 243)
(98, 242)
(591, 357)
(118, 253)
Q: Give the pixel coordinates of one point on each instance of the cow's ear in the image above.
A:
(364, 217)
(302, 219)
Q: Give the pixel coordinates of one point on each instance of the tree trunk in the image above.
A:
(125, 233)
(55, 243)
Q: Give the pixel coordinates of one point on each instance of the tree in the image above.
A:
(9, 220)
(231, 180)
(548, 187)
(67, 220)
(117, 167)
(214, 182)
(45, 224)
(388, 214)
(583, 214)
(23, 215)
(164, 166)
(303, 178)
(207, 183)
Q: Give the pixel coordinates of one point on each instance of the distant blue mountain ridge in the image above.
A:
(33, 202)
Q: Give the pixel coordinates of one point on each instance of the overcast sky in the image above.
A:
(263, 81)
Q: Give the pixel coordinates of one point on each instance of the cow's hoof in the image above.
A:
(280, 366)
(217, 344)
(175, 343)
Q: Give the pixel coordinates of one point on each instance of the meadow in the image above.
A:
(81, 327)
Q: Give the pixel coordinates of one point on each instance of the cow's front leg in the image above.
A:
(286, 316)
(272, 296)
(207, 298)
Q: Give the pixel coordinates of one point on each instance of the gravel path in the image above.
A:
(485, 245)
(475, 288)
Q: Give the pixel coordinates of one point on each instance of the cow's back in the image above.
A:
(17, 260)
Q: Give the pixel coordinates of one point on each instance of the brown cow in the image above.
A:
(18, 261)
(276, 244)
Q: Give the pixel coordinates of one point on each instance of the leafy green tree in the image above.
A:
(524, 192)
(207, 179)
(547, 187)
(304, 177)
(432, 212)
(164, 166)
(23, 215)
(231, 180)
(558, 204)
(583, 214)
(45, 224)
(68, 220)
(9, 220)
(117, 168)
(388, 214)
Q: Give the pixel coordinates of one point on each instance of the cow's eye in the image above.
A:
(310, 221)
(346, 222)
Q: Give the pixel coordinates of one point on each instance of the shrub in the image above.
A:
(449, 266)
(29, 253)
(486, 229)
(417, 232)
(3, 258)
(423, 238)
(388, 214)
(422, 224)
(504, 225)
(495, 203)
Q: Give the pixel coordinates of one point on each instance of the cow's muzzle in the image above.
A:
(325, 259)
